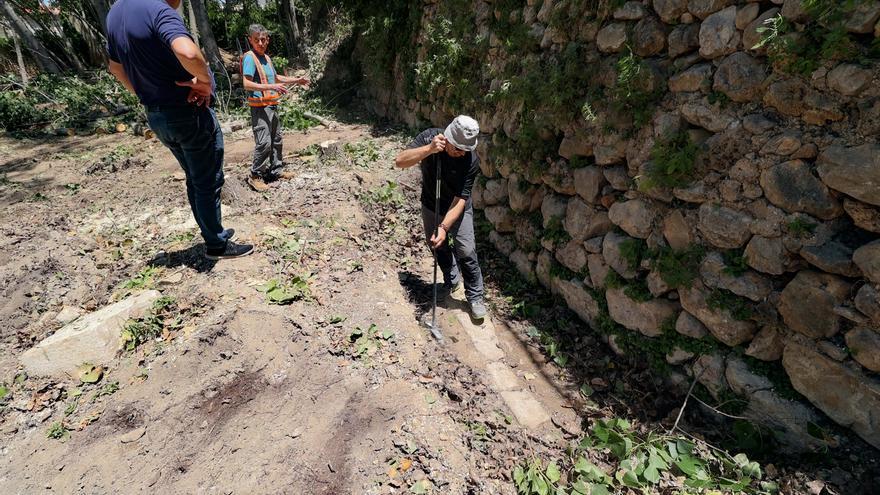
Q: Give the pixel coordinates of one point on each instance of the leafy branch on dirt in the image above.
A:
(286, 291)
(365, 343)
(639, 461)
(163, 316)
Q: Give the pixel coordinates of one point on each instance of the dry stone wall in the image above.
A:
(715, 199)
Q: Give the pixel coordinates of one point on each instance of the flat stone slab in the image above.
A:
(92, 338)
(503, 379)
(527, 410)
(483, 337)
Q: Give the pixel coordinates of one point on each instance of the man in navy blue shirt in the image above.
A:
(154, 57)
(451, 151)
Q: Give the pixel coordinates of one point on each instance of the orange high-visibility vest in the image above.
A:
(270, 97)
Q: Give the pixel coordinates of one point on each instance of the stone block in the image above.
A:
(93, 338)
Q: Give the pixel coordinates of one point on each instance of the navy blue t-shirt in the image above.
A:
(139, 36)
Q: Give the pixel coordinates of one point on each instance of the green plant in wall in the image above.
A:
(631, 94)
(823, 37)
(724, 300)
(735, 263)
(677, 268)
(673, 160)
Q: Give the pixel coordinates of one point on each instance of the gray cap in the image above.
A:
(462, 133)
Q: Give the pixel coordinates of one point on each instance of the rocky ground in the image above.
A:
(338, 391)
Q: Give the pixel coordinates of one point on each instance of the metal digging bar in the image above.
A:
(435, 330)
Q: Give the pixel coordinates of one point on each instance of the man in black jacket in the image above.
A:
(453, 148)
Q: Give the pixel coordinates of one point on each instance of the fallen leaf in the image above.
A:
(405, 464)
(89, 373)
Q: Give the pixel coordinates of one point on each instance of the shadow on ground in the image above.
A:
(192, 257)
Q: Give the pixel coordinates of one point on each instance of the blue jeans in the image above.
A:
(193, 135)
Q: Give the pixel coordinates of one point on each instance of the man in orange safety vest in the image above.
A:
(265, 88)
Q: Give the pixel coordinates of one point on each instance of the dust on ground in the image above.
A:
(341, 391)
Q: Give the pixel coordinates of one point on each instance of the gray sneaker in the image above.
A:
(478, 309)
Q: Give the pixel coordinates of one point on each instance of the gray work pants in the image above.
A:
(267, 140)
(463, 263)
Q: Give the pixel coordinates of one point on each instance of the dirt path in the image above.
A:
(243, 396)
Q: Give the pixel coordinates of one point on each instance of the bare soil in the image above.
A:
(242, 396)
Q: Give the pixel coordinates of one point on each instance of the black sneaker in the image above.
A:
(230, 234)
(232, 250)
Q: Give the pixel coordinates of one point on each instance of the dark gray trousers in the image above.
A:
(267, 140)
(459, 260)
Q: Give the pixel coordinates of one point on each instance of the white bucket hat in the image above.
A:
(462, 133)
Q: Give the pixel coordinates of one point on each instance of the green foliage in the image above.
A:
(389, 194)
(362, 154)
(57, 431)
(824, 37)
(630, 94)
(637, 290)
(677, 268)
(801, 228)
(555, 231)
(292, 112)
(365, 343)
(724, 300)
(672, 162)
(638, 462)
(735, 263)
(65, 100)
(286, 291)
(145, 279)
(162, 315)
(19, 111)
(633, 250)
(550, 345)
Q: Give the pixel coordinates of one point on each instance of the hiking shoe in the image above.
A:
(456, 292)
(478, 309)
(257, 183)
(282, 174)
(231, 250)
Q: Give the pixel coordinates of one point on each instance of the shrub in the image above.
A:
(672, 162)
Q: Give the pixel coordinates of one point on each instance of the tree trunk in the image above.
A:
(25, 33)
(20, 58)
(100, 9)
(209, 44)
(292, 36)
(193, 25)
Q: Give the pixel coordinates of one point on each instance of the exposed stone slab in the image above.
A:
(867, 258)
(724, 227)
(792, 187)
(864, 345)
(483, 336)
(723, 326)
(645, 317)
(789, 420)
(750, 284)
(807, 303)
(848, 397)
(854, 171)
(502, 377)
(579, 300)
(526, 409)
(93, 338)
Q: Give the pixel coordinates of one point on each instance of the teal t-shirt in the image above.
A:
(249, 68)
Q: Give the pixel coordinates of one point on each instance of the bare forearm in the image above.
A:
(250, 85)
(455, 211)
(119, 73)
(408, 158)
(190, 57)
